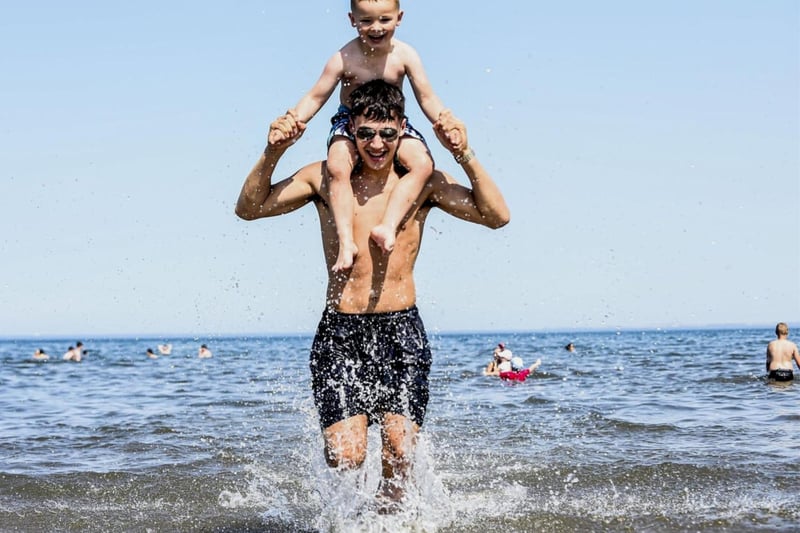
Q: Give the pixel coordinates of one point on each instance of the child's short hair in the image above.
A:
(378, 100)
(782, 329)
(354, 3)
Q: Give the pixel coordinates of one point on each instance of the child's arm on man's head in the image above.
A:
(313, 100)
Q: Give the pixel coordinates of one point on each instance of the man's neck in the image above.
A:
(372, 175)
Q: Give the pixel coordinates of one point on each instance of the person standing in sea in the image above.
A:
(370, 357)
(75, 353)
(780, 353)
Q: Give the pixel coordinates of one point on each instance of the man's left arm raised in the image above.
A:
(483, 203)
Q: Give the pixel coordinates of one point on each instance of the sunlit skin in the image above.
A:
(376, 22)
(374, 54)
(781, 352)
(377, 282)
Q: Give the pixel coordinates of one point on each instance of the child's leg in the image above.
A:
(414, 155)
(341, 159)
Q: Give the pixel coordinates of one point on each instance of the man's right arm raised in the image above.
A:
(259, 197)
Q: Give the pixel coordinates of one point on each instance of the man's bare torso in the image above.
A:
(378, 282)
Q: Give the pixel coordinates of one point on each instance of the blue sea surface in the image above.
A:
(634, 431)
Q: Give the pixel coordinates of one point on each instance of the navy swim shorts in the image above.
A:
(781, 375)
(370, 364)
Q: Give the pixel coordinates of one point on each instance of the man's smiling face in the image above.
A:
(377, 140)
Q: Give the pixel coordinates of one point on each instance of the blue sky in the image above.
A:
(649, 153)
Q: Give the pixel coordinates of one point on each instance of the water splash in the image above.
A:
(348, 498)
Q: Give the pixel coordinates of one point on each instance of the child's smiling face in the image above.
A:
(376, 22)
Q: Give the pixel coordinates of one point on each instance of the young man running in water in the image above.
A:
(370, 358)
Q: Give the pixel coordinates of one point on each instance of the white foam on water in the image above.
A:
(305, 491)
(259, 493)
(693, 505)
(348, 502)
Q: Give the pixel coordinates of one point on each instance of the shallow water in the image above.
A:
(636, 431)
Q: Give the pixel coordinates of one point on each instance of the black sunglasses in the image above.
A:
(366, 134)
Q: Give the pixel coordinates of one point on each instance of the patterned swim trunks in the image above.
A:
(370, 364)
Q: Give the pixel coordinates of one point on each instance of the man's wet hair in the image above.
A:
(378, 100)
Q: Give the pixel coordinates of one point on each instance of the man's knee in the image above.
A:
(345, 457)
(346, 443)
(399, 436)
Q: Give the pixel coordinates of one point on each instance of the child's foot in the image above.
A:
(384, 237)
(344, 260)
(535, 365)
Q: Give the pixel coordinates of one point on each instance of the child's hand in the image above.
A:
(451, 132)
(285, 130)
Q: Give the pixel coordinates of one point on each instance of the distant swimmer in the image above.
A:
(204, 352)
(165, 349)
(151, 354)
(509, 367)
(780, 353)
(40, 355)
(514, 370)
(570, 347)
(500, 354)
(74, 353)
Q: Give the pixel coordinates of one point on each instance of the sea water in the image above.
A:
(634, 431)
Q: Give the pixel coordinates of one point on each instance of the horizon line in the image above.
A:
(431, 332)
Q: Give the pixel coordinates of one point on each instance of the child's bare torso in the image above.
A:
(360, 66)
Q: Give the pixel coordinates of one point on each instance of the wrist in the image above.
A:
(274, 151)
(464, 157)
